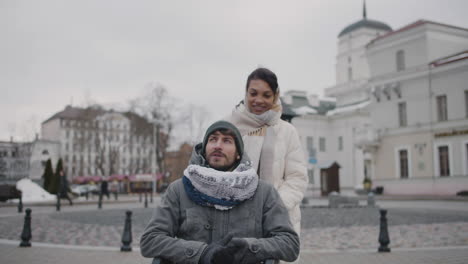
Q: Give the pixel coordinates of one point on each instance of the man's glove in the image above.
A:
(245, 253)
(217, 252)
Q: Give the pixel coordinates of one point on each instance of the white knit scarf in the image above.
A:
(258, 133)
(237, 185)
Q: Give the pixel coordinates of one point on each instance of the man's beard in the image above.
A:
(220, 167)
(223, 168)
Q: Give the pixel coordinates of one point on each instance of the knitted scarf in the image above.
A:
(219, 189)
(258, 134)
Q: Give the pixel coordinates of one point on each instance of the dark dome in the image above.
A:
(365, 23)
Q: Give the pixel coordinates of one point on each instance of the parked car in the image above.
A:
(93, 188)
(80, 190)
(9, 192)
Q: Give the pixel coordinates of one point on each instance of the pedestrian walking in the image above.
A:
(105, 188)
(65, 190)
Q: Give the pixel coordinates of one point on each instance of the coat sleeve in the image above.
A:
(295, 171)
(158, 239)
(279, 241)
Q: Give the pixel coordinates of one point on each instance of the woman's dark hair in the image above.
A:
(265, 75)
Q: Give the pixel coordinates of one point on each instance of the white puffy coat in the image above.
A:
(289, 173)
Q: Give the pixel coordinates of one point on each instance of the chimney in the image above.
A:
(11, 139)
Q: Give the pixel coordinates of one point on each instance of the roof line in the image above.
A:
(449, 59)
(413, 25)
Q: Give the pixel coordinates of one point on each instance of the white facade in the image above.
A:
(94, 141)
(345, 129)
(339, 133)
(41, 151)
(410, 151)
(390, 86)
(20, 160)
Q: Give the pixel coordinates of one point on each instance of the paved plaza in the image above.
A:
(420, 231)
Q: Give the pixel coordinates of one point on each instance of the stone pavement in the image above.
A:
(328, 235)
(39, 254)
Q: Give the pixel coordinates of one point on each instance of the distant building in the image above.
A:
(41, 151)
(14, 161)
(400, 116)
(333, 134)
(419, 109)
(99, 142)
(20, 160)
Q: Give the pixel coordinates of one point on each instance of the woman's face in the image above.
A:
(260, 97)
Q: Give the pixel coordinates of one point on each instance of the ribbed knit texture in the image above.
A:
(221, 189)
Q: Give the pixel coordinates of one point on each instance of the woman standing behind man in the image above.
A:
(272, 144)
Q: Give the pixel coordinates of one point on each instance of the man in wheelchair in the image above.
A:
(220, 211)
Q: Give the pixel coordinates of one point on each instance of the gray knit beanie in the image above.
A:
(219, 125)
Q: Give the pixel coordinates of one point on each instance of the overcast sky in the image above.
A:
(54, 53)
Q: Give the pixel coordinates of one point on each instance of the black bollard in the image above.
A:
(100, 201)
(384, 239)
(57, 206)
(151, 196)
(26, 233)
(87, 195)
(146, 199)
(20, 205)
(127, 233)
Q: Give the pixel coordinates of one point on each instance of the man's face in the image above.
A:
(221, 151)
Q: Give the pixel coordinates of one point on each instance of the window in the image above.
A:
(400, 60)
(466, 103)
(310, 146)
(441, 107)
(444, 165)
(310, 173)
(402, 114)
(403, 158)
(466, 158)
(350, 73)
(340, 143)
(322, 146)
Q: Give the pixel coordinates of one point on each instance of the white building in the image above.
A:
(401, 111)
(20, 160)
(419, 109)
(334, 135)
(95, 141)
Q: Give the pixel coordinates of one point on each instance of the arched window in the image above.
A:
(400, 60)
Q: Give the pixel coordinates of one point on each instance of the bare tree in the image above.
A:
(157, 106)
(107, 153)
(29, 128)
(199, 119)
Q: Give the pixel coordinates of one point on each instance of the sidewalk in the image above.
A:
(100, 231)
(92, 199)
(44, 253)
